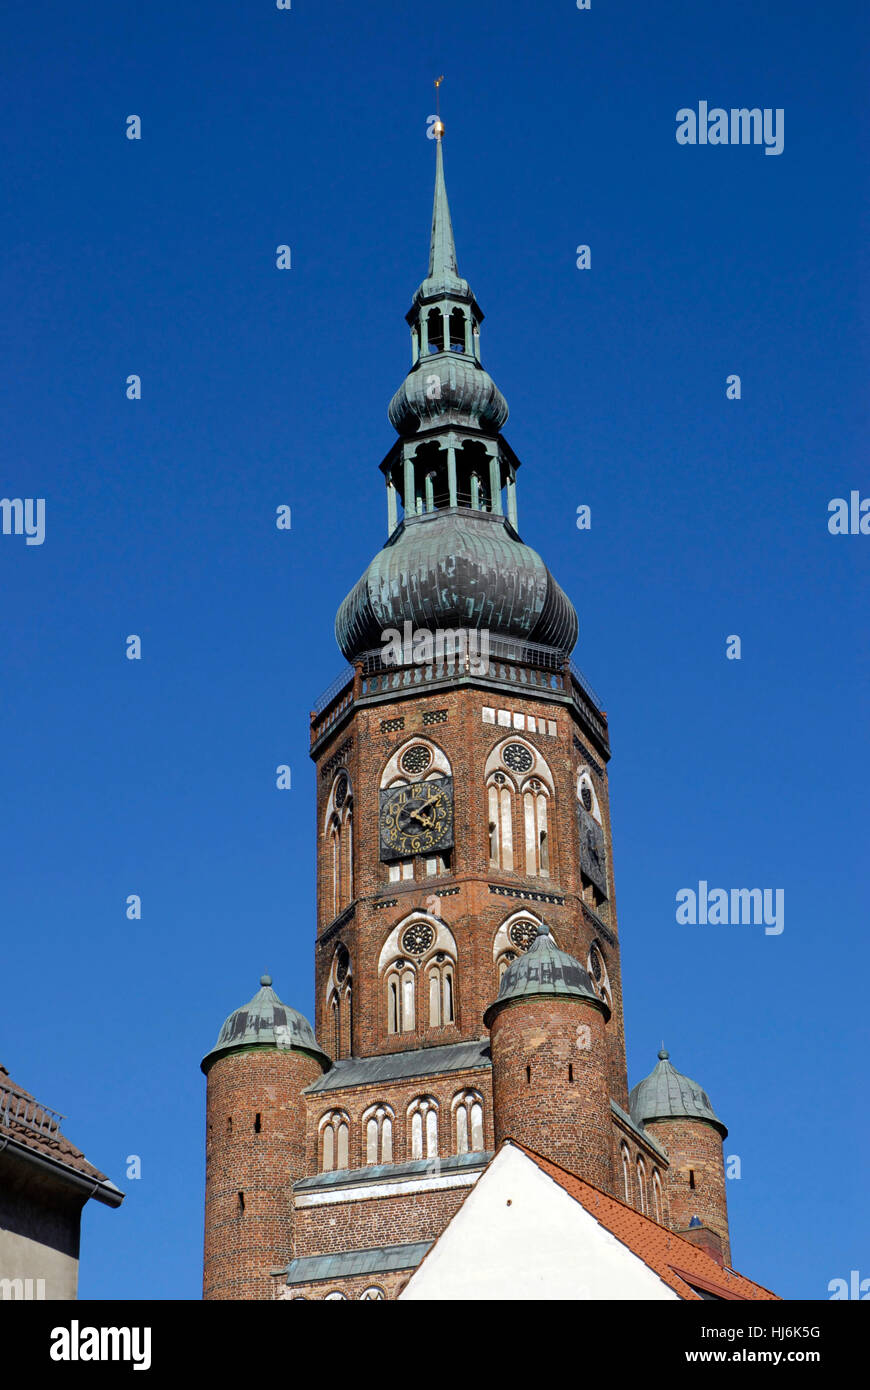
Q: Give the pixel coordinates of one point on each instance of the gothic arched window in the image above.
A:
(418, 967)
(512, 939)
(641, 1186)
(339, 1001)
(423, 1127)
(440, 975)
(657, 1196)
(402, 997)
(334, 1141)
(519, 790)
(339, 841)
(377, 1125)
(468, 1121)
(626, 1172)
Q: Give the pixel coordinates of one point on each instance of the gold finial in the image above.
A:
(438, 127)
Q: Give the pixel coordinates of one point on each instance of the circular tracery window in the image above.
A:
(586, 796)
(341, 790)
(522, 934)
(517, 757)
(416, 759)
(597, 966)
(417, 938)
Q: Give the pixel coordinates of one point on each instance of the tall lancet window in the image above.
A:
(339, 842)
(334, 1141)
(468, 1118)
(339, 1004)
(423, 1126)
(378, 1133)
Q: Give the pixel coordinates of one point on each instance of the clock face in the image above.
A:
(416, 819)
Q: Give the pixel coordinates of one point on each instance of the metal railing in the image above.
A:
(19, 1109)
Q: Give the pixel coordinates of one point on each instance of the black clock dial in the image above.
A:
(416, 819)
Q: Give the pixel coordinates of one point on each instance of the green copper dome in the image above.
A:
(456, 559)
(666, 1094)
(448, 389)
(544, 970)
(456, 569)
(266, 1022)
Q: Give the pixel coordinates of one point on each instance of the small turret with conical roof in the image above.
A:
(265, 1055)
(550, 1061)
(679, 1114)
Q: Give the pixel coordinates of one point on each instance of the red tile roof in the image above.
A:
(676, 1261)
(23, 1119)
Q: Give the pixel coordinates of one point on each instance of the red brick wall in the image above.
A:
(695, 1152)
(473, 914)
(534, 1042)
(242, 1243)
(354, 1101)
(363, 1225)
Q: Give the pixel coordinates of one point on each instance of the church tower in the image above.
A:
(462, 764)
(467, 967)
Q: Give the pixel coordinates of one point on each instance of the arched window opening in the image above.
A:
(626, 1172)
(423, 1117)
(440, 973)
(537, 838)
(468, 1120)
(435, 324)
(378, 1130)
(657, 1196)
(334, 1141)
(457, 331)
(641, 1187)
(401, 997)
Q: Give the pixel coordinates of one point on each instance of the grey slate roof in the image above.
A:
(667, 1094)
(393, 1172)
(265, 1022)
(381, 1260)
(400, 1066)
(543, 969)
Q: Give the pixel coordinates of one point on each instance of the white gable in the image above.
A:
(519, 1235)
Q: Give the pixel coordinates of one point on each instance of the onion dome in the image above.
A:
(456, 570)
(545, 970)
(266, 1023)
(447, 390)
(668, 1095)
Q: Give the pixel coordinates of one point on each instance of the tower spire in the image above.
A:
(442, 248)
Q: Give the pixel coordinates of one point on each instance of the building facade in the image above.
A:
(45, 1182)
(467, 962)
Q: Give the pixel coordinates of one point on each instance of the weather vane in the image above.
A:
(438, 127)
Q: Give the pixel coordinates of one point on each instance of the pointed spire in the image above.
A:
(442, 248)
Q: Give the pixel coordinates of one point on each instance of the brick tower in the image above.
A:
(678, 1113)
(462, 799)
(265, 1055)
(549, 1062)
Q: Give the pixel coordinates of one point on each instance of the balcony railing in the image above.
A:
(509, 662)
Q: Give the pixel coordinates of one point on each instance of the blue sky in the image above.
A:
(261, 387)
